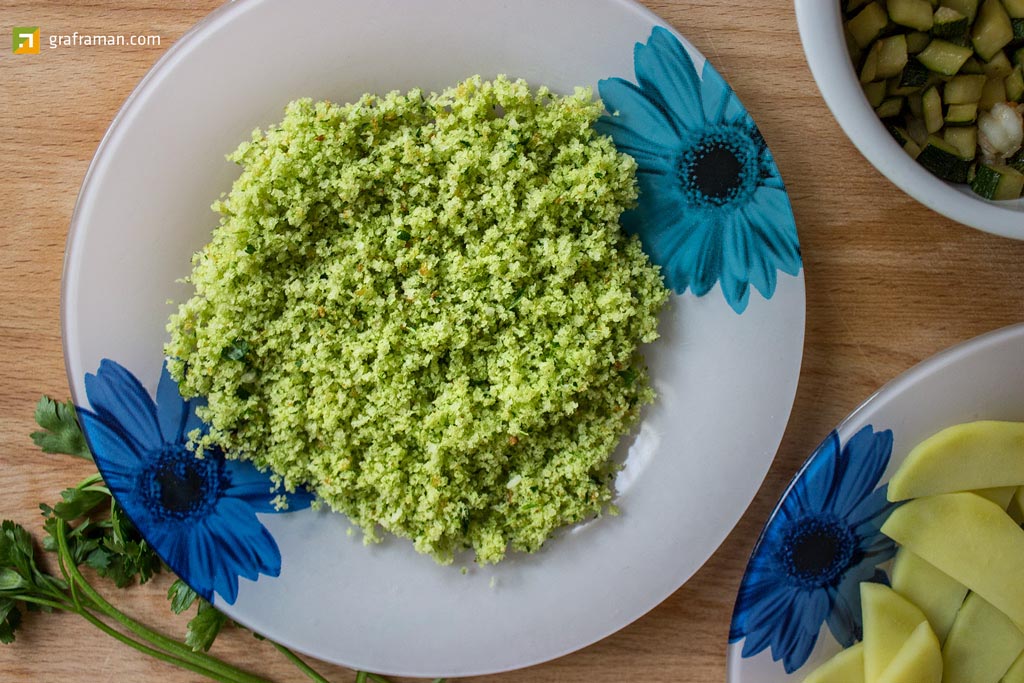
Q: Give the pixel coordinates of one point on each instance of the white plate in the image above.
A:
(725, 368)
(982, 379)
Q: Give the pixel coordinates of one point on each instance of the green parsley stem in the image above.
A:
(76, 579)
(360, 677)
(158, 654)
(297, 661)
(44, 602)
(376, 679)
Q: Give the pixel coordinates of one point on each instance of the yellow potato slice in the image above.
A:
(1000, 495)
(964, 457)
(889, 619)
(845, 667)
(1016, 672)
(982, 644)
(936, 593)
(969, 538)
(918, 661)
(1016, 507)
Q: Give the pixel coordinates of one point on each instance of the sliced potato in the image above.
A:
(1016, 672)
(889, 619)
(954, 532)
(982, 644)
(965, 457)
(1016, 506)
(1000, 495)
(937, 594)
(845, 667)
(918, 661)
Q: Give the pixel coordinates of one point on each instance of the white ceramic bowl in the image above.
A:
(821, 30)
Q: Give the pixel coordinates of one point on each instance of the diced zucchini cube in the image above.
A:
(1014, 85)
(917, 131)
(915, 75)
(968, 8)
(992, 30)
(943, 160)
(852, 48)
(916, 105)
(964, 89)
(932, 103)
(950, 25)
(869, 70)
(993, 93)
(875, 92)
(892, 56)
(1016, 161)
(1018, 31)
(999, 66)
(998, 182)
(1015, 8)
(962, 114)
(917, 41)
(944, 57)
(890, 108)
(868, 24)
(972, 66)
(964, 139)
(916, 14)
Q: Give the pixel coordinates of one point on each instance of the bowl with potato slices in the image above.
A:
(894, 555)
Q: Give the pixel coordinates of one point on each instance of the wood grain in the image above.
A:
(889, 283)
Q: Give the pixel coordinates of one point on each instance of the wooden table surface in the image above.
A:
(889, 283)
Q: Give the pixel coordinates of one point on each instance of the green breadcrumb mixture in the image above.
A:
(422, 308)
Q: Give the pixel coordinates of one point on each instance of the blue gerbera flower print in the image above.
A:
(823, 540)
(712, 206)
(199, 514)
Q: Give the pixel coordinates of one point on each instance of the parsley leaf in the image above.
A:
(11, 581)
(60, 430)
(78, 503)
(181, 596)
(10, 619)
(204, 627)
(236, 350)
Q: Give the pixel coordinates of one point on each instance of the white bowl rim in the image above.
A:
(821, 32)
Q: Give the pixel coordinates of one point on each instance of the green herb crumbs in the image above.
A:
(464, 384)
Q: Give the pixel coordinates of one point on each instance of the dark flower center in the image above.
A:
(817, 551)
(721, 168)
(182, 486)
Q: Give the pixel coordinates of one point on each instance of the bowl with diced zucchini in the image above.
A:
(932, 93)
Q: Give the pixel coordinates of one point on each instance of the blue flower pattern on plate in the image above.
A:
(823, 540)
(199, 514)
(712, 206)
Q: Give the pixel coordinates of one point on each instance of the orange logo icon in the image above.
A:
(26, 40)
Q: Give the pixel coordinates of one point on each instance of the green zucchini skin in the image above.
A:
(997, 182)
(915, 75)
(942, 160)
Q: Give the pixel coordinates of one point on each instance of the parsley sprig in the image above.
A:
(88, 528)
